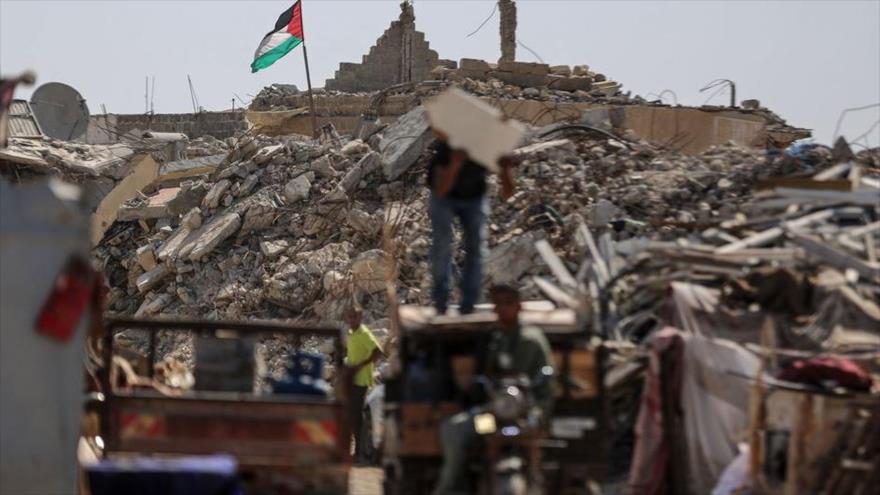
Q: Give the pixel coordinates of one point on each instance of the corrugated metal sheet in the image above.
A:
(21, 120)
(19, 107)
(23, 127)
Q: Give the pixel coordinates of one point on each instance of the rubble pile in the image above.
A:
(293, 228)
(515, 81)
(208, 146)
(71, 161)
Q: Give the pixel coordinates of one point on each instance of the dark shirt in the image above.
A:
(524, 351)
(471, 180)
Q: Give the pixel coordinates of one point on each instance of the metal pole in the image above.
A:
(309, 79)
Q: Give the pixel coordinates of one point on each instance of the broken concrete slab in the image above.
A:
(565, 83)
(260, 213)
(273, 249)
(364, 223)
(323, 167)
(402, 143)
(179, 170)
(524, 68)
(560, 70)
(510, 260)
(143, 171)
(369, 271)
(156, 206)
(146, 257)
(172, 245)
(580, 70)
(212, 199)
(192, 219)
(266, 154)
(603, 212)
(154, 306)
(248, 185)
(355, 148)
(190, 195)
(211, 235)
(367, 165)
(151, 279)
(297, 189)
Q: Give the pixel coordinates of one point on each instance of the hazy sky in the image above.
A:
(807, 60)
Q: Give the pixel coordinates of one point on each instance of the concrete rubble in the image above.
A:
(300, 233)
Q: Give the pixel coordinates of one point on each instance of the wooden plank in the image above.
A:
(863, 230)
(555, 264)
(413, 317)
(835, 256)
(598, 261)
(805, 183)
(774, 233)
(871, 247)
(868, 198)
(555, 294)
(832, 172)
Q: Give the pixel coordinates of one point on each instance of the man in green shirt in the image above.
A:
(515, 350)
(362, 350)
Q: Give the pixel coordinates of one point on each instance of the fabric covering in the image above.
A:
(818, 371)
(712, 400)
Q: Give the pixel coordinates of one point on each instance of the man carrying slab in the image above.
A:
(458, 189)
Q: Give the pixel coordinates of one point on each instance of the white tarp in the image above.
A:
(715, 401)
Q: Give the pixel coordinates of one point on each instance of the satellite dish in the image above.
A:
(61, 111)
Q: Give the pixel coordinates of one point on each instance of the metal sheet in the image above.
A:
(23, 127)
(21, 122)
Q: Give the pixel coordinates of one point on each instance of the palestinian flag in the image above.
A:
(286, 36)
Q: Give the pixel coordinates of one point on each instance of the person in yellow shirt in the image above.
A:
(362, 350)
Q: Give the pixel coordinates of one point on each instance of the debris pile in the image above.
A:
(281, 225)
(293, 228)
(788, 282)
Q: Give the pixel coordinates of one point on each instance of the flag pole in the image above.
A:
(309, 78)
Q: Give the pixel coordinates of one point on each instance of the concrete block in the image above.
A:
(370, 270)
(192, 219)
(524, 68)
(146, 257)
(521, 80)
(211, 235)
(364, 167)
(151, 279)
(402, 143)
(273, 249)
(569, 83)
(212, 199)
(297, 189)
(473, 64)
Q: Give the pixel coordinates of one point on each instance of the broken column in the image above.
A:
(508, 30)
(408, 28)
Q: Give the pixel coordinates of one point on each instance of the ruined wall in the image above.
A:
(400, 55)
(105, 129)
(689, 130)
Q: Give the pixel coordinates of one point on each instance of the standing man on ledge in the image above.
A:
(458, 189)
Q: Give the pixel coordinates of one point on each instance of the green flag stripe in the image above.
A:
(269, 58)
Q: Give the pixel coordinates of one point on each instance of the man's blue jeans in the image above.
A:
(472, 215)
